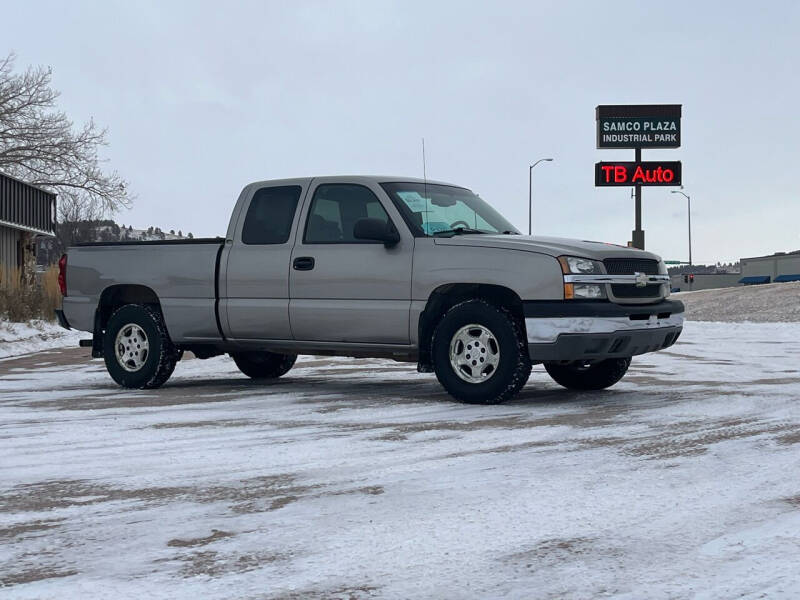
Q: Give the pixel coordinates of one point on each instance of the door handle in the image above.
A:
(303, 263)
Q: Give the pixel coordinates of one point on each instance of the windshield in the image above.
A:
(429, 209)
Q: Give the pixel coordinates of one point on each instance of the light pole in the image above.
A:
(689, 211)
(530, 191)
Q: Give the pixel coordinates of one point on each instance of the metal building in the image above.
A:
(705, 281)
(778, 267)
(26, 212)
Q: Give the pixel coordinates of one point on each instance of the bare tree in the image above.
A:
(40, 145)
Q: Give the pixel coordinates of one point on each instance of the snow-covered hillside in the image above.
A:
(777, 302)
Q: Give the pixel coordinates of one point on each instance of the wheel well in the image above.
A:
(116, 296)
(446, 296)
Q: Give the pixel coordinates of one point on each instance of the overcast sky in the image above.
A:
(201, 98)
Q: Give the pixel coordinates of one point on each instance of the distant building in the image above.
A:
(704, 281)
(26, 213)
(778, 267)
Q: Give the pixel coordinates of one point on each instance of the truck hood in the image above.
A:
(546, 245)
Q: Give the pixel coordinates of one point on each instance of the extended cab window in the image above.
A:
(270, 215)
(335, 209)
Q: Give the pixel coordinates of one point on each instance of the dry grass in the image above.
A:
(21, 302)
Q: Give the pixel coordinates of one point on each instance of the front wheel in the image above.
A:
(263, 365)
(480, 354)
(589, 375)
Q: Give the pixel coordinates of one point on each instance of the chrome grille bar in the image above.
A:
(636, 279)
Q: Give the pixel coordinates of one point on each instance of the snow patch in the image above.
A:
(37, 335)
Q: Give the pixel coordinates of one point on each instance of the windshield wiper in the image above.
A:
(457, 231)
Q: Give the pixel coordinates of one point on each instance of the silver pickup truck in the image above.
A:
(394, 267)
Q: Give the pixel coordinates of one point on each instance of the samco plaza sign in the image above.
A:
(639, 126)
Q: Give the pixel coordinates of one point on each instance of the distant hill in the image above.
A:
(118, 233)
(105, 230)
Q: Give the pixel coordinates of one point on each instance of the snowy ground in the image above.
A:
(24, 338)
(361, 479)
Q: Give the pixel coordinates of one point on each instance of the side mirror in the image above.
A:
(376, 230)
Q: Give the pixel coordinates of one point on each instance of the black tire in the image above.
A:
(592, 376)
(513, 369)
(161, 354)
(263, 365)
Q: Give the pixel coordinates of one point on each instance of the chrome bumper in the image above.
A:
(547, 330)
(569, 330)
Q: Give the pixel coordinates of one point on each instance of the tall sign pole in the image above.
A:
(637, 236)
(638, 126)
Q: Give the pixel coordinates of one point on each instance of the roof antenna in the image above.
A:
(424, 172)
(425, 185)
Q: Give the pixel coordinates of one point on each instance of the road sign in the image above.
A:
(642, 173)
(638, 126)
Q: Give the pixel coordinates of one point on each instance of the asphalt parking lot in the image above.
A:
(361, 478)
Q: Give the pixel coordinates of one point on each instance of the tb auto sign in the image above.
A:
(638, 126)
(624, 173)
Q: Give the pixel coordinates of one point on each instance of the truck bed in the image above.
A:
(183, 274)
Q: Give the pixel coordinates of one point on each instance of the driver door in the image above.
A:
(347, 290)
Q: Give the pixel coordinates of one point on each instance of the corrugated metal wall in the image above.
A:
(8, 246)
(25, 205)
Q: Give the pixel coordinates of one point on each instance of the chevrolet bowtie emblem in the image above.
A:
(640, 279)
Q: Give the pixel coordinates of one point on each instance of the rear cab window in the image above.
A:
(270, 215)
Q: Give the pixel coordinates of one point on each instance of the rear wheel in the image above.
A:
(137, 349)
(479, 353)
(263, 365)
(589, 375)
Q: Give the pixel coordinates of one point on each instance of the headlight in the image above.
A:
(579, 266)
(575, 265)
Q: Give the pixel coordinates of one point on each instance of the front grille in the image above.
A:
(631, 291)
(629, 266)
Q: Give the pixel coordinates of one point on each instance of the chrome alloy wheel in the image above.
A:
(131, 347)
(474, 353)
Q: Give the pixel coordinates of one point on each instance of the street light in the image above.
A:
(689, 211)
(530, 191)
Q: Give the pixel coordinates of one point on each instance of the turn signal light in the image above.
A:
(569, 291)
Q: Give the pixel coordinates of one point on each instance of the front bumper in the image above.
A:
(591, 330)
